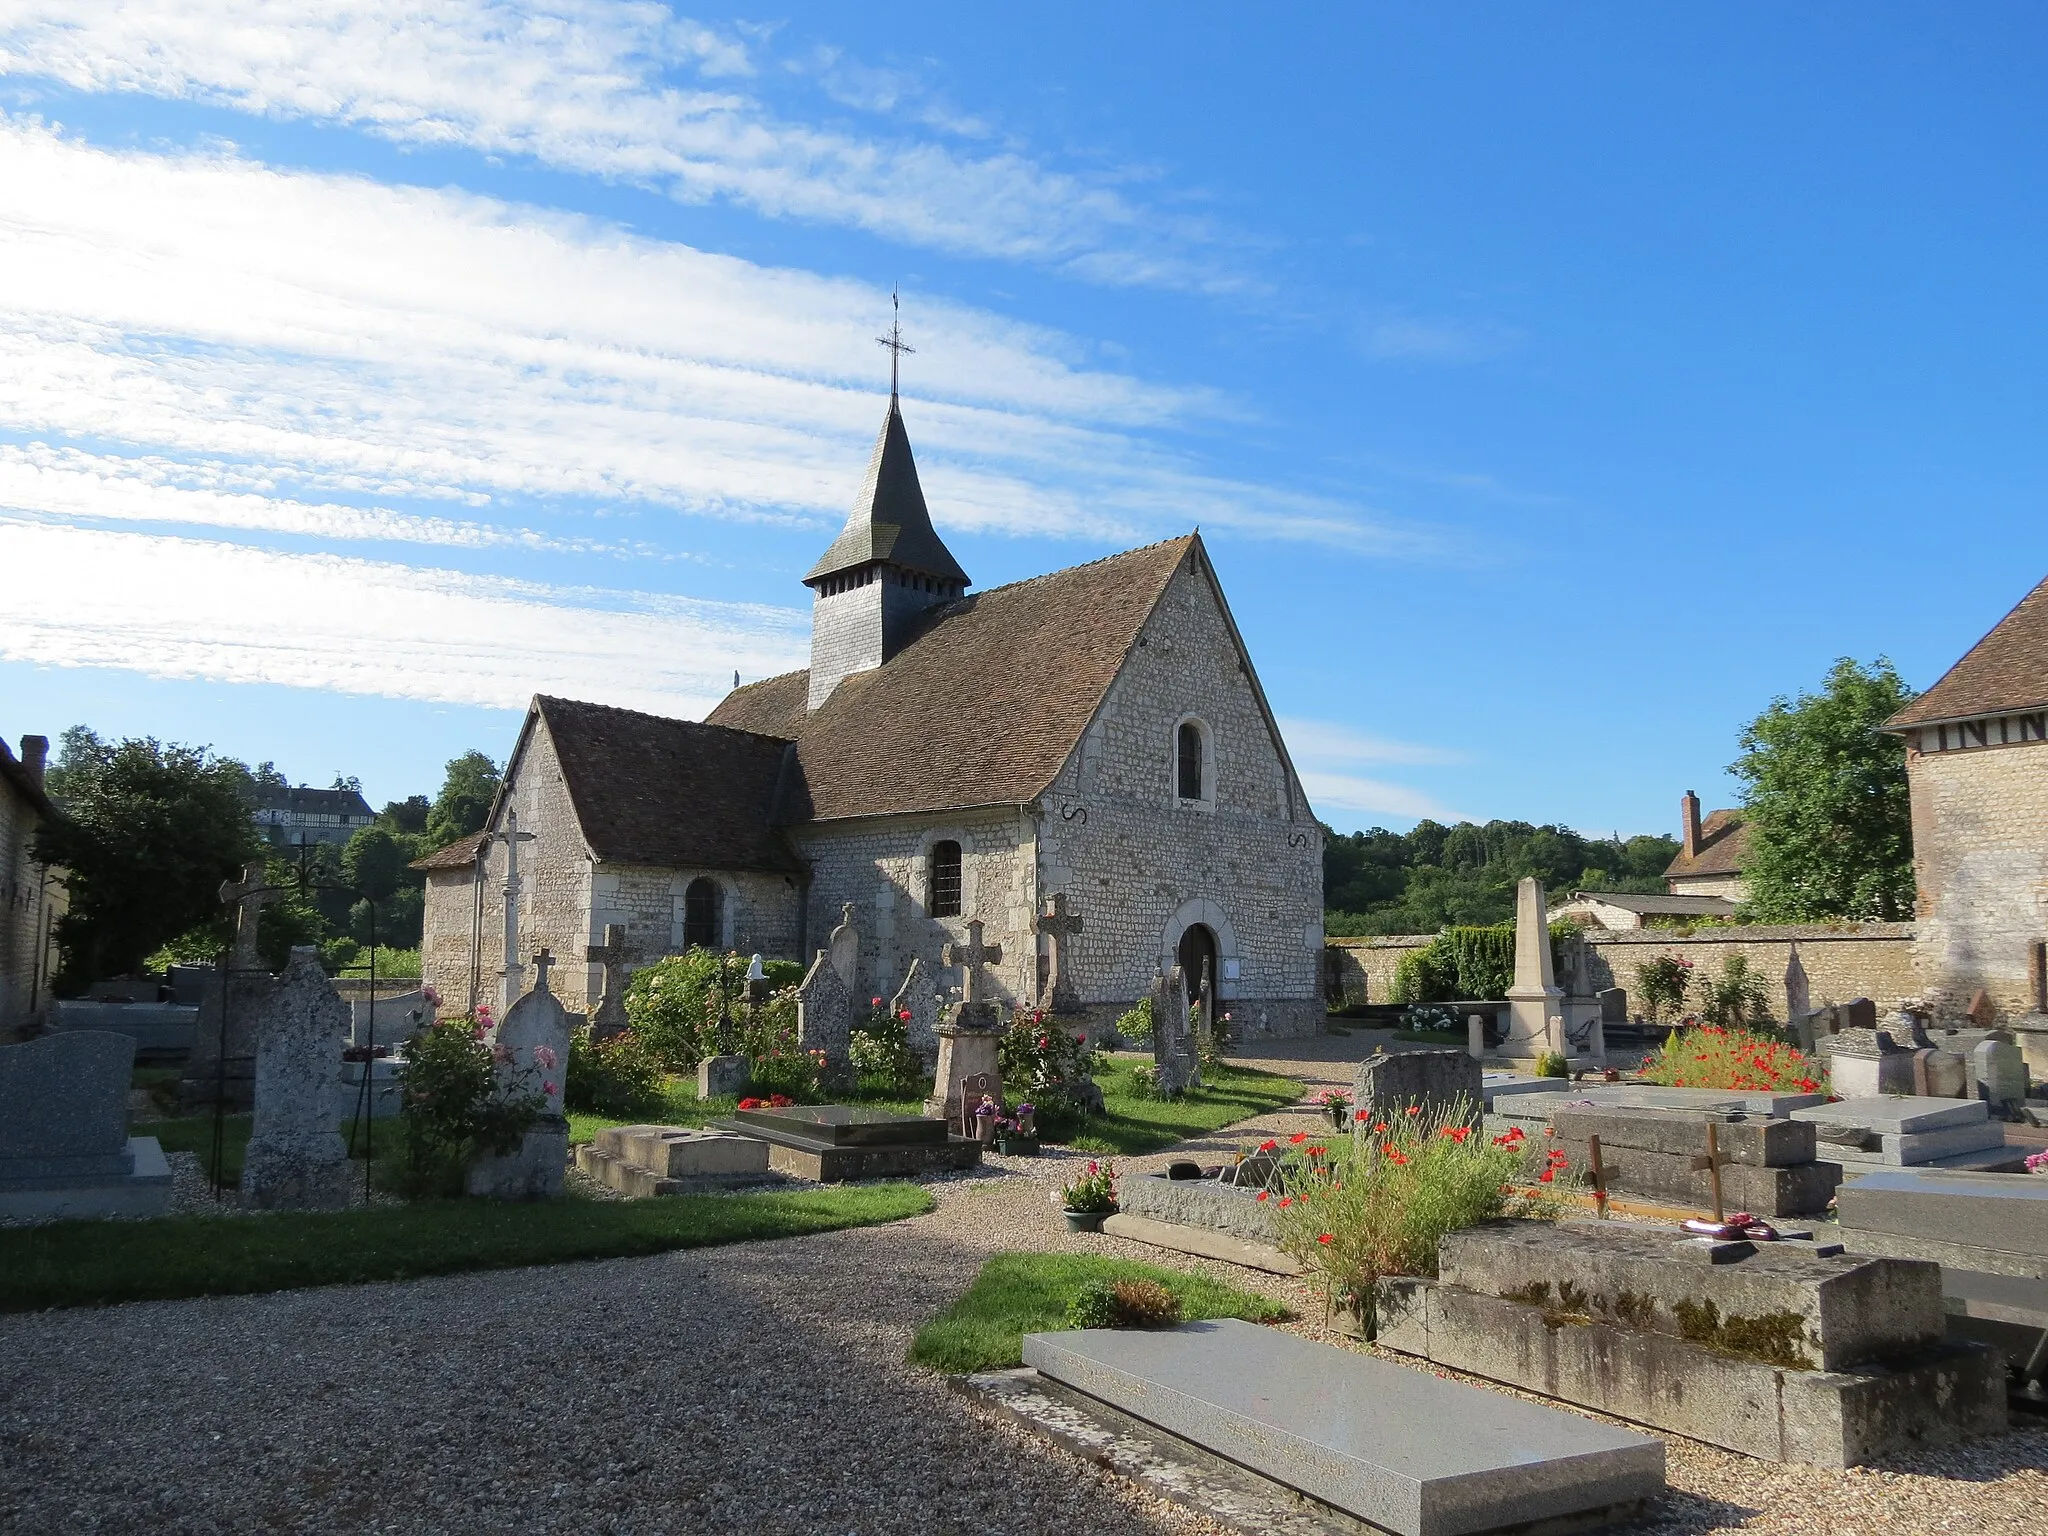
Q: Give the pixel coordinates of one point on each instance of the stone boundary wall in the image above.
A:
(1841, 960)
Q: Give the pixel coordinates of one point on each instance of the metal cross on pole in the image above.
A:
(249, 895)
(513, 972)
(894, 342)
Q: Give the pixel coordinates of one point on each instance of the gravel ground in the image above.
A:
(756, 1387)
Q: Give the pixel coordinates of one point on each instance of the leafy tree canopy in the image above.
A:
(149, 831)
(1832, 830)
(1437, 876)
(407, 815)
(465, 799)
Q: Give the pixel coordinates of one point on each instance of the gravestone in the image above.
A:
(222, 1065)
(919, 998)
(1865, 1063)
(843, 945)
(723, 1077)
(1983, 1012)
(295, 1158)
(824, 1011)
(1857, 1013)
(1177, 1066)
(1388, 1085)
(1613, 1005)
(1535, 1001)
(1059, 926)
(1993, 1223)
(2000, 1069)
(1475, 1036)
(533, 1042)
(1905, 1131)
(976, 1010)
(609, 1017)
(1798, 1002)
(65, 1151)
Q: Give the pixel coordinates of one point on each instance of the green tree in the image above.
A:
(1826, 798)
(376, 862)
(407, 815)
(465, 799)
(149, 832)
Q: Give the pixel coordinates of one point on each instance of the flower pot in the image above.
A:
(1336, 1112)
(1087, 1221)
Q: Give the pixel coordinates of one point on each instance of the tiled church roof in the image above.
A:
(1724, 845)
(2005, 671)
(981, 708)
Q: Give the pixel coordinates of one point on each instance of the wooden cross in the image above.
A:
(1711, 1165)
(1059, 925)
(250, 894)
(970, 957)
(541, 962)
(1599, 1172)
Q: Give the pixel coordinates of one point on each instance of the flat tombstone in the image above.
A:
(824, 1010)
(295, 1159)
(918, 997)
(1433, 1080)
(64, 1102)
(1866, 1063)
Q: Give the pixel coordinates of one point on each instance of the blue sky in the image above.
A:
(1553, 386)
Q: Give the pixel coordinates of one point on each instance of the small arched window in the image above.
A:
(945, 880)
(700, 915)
(1191, 765)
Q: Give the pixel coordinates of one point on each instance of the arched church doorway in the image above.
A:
(1197, 957)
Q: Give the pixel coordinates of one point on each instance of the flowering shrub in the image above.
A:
(688, 1006)
(788, 1072)
(881, 1053)
(1041, 1057)
(1330, 1098)
(617, 1077)
(456, 1104)
(2038, 1163)
(1382, 1205)
(1738, 1060)
(1135, 1025)
(1661, 985)
(1738, 998)
(1094, 1191)
(1123, 1304)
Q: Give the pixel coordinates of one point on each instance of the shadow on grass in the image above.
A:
(1020, 1293)
(1135, 1124)
(87, 1263)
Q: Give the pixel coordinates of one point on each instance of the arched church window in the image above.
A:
(1193, 779)
(945, 880)
(700, 915)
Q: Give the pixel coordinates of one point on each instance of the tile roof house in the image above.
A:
(1977, 768)
(289, 816)
(1710, 853)
(1097, 733)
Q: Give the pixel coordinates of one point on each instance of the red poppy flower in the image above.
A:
(1265, 1194)
(1546, 1175)
(1269, 1146)
(1286, 1200)
(1326, 1238)
(1414, 1109)
(1298, 1138)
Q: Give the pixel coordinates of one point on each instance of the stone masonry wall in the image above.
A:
(24, 921)
(1841, 960)
(1980, 858)
(445, 935)
(1140, 865)
(757, 913)
(882, 866)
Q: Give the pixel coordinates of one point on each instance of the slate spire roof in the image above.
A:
(890, 521)
(2005, 671)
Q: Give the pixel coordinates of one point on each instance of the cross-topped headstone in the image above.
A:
(251, 894)
(971, 957)
(609, 1018)
(1059, 925)
(542, 961)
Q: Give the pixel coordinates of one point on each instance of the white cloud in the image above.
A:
(1320, 741)
(612, 88)
(188, 608)
(326, 340)
(1372, 797)
(1325, 753)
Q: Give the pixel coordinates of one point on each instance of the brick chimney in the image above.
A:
(1689, 823)
(35, 753)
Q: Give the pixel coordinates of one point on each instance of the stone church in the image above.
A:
(1098, 733)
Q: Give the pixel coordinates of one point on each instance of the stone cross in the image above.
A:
(971, 957)
(511, 837)
(610, 1016)
(251, 894)
(1060, 925)
(541, 964)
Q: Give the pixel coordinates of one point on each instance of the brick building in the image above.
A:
(1710, 854)
(1977, 763)
(1098, 733)
(31, 896)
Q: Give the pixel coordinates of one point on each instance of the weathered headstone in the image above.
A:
(919, 998)
(295, 1158)
(723, 1077)
(1983, 1012)
(65, 1151)
(2000, 1069)
(1475, 1036)
(1059, 926)
(1535, 1001)
(844, 947)
(824, 1010)
(1177, 1066)
(609, 1017)
(1798, 1002)
(1857, 1013)
(533, 1040)
(1436, 1082)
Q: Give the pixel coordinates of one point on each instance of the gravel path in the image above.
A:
(759, 1387)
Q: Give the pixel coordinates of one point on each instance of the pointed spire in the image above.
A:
(890, 522)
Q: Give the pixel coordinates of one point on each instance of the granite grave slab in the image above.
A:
(65, 1151)
(834, 1142)
(295, 1159)
(1993, 1222)
(648, 1160)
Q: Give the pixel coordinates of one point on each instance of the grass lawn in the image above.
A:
(1136, 1124)
(86, 1263)
(1020, 1293)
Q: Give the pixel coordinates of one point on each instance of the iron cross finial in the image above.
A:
(894, 340)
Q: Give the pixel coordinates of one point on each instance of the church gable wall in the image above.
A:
(882, 865)
(1980, 860)
(757, 912)
(1140, 864)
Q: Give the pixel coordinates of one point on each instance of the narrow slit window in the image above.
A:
(945, 891)
(1190, 761)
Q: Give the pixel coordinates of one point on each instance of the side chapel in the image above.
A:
(1097, 734)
